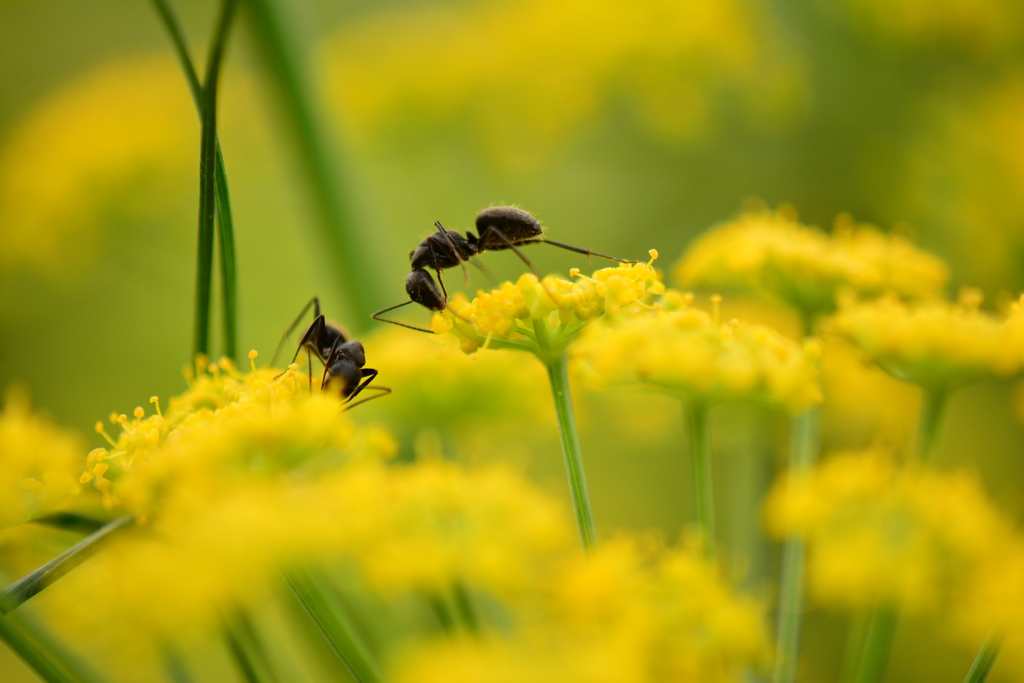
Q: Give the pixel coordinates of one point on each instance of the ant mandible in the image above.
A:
(342, 358)
(500, 227)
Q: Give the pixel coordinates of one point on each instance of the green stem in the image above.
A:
(225, 222)
(803, 452)
(854, 644)
(245, 646)
(24, 588)
(933, 404)
(985, 660)
(315, 594)
(339, 231)
(558, 375)
(703, 490)
(207, 180)
(878, 641)
(32, 654)
(69, 521)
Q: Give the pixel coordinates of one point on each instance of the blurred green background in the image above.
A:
(622, 125)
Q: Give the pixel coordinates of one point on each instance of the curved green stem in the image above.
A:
(24, 588)
(703, 490)
(225, 222)
(558, 375)
(985, 660)
(881, 632)
(32, 654)
(803, 452)
(933, 404)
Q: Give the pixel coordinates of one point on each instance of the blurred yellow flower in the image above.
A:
(879, 533)
(119, 141)
(936, 345)
(771, 253)
(524, 73)
(624, 613)
(993, 601)
(38, 462)
(685, 351)
(543, 316)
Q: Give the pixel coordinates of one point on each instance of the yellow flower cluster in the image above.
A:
(771, 253)
(684, 351)
(246, 473)
(625, 613)
(545, 315)
(878, 533)
(667, 60)
(938, 345)
(125, 130)
(38, 462)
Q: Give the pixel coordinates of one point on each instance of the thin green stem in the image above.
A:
(703, 490)
(247, 649)
(316, 595)
(558, 375)
(32, 654)
(339, 232)
(803, 452)
(69, 521)
(207, 180)
(225, 222)
(878, 641)
(933, 404)
(24, 588)
(985, 660)
(854, 644)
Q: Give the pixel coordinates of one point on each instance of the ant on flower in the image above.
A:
(499, 227)
(343, 359)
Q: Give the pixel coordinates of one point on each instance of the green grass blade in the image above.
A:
(339, 233)
(225, 222)
(207, 180)
(31, 584)
(32, 654)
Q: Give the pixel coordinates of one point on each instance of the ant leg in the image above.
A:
(315, 332)
(529, 265)
(384, 392)
(455, 250)
(327, 365)
(580, 250)
(309, 369)
(376, 316)
(315, 303)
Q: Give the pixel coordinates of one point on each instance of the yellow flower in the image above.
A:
(623, 614)
(880, 533)
(123, 134)
(666, 60)
(938, 345)
(38, 462)
(685, 351)
(543, 317)
(773, 254)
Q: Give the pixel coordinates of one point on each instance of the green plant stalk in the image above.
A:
(32, 583)
(339, 232)
(803, 452)
(557, 365)
(703, 490)
(248, 652)
(207, 180)
(854, 644)
(225, 222)
(933, 404)
(32, 654)
(985, 660)
(878, 641)
(315, 594)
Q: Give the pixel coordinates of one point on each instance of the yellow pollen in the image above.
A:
(716, 308)
(113, 418)
(103, 432)
(138, 413)
(121, 419)
(252, 359)
(155, 400)
(654, 255)
(213, 369)
(575, 272)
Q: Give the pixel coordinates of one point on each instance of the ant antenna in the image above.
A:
(579, 250)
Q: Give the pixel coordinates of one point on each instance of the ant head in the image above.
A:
(353, 351)
(422, 289)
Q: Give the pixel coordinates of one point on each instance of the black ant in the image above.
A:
(342, 358)
(500, 227)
